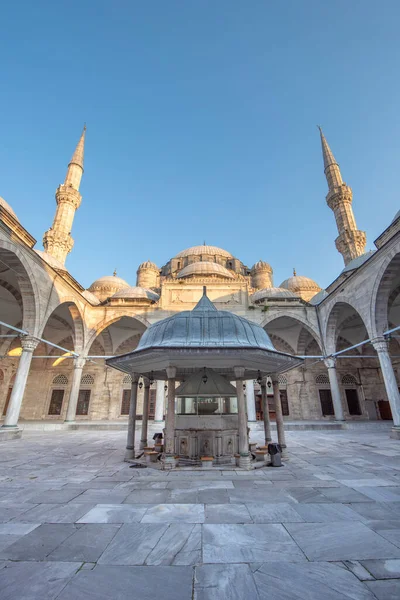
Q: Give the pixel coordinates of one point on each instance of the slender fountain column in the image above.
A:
(330, 364)
(79, 363)
(250, 401)
(28, 344)
(278, 414)
(244, 459)
(130, 442)
(170, 419)
(392, 391)
(145, 417)
(265, 407)
(160, 397)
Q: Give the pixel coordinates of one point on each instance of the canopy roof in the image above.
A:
(215, 385)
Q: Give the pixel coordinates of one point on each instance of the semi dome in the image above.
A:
(261, 265)
(205, 268)
(137, 293)
(273, 293)
(358, 261)
(8, 208)
(205, 326)
(107, 286)
(148, 265)
(198, 250)
(50, 260)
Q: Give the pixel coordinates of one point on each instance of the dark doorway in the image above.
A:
(126, 400)
(325, 397)
(352, 402)
(7, 401)
(152, 404)
(384, 410)
(284, 403)
(57, 397)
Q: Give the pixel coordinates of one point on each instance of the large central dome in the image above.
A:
(199, 250)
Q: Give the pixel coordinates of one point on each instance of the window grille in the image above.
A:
(56, 401)
(127, 379)
(282, 379)
(349, 380)
(60, 380)
(322, 379)
(87, 380)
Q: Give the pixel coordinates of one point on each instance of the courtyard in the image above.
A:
(76, 522)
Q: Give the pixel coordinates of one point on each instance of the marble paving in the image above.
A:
(76, 522)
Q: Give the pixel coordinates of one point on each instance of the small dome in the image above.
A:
(50, 260)
(107, 286)
(396, 216)
(198, 250)
(137, 293)
(358, 261)
(8, 208)
(273, 292)
(261, 265)
(91, 297)
(205, 326)
(148, 265)
(299, 283)
(205, 268)
(319, 297)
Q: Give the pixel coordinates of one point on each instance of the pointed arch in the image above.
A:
(344, 321)
(386, 284)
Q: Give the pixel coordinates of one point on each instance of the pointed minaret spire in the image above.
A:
(350, 242)
(75, 167)
(331, 167)
(57, 240)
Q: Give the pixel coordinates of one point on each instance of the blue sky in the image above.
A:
(201, 125)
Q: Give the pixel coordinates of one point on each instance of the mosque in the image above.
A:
(56, 336)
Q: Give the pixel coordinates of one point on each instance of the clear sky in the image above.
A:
(201, 125)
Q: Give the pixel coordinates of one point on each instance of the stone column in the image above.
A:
(145, 417)
(265, 407)
(160, 400)
(170, 419)
(79, 363)
(278, 414)
(330, 364)
(130, 442)
(392, 391)
(250, 401)
(28, 344)
(244, 459)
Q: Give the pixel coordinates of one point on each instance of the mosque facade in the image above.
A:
(55, 336)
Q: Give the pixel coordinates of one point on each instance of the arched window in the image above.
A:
(322, 379)
(87, 380)
(60, 380)
(349, 380)
(82, 407)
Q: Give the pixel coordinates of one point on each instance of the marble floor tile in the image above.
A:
(132, 544)
(375, 511)
(326, 513)
(392, 535)
(385, 590)
(180, 544)
(357, 569)
(382, 494)
(340, 541)
(213, 497)
(34, 580)
(383, 525)
(372, 482)
(308, 581)
(228, 543)
(146, 497)
(227, 582)
(17, 528)
(240, 495)
(37, 544)
(175, 513)
(55, 513)
(307, 495)
(182, 496)
(86, 544)
(345, 495)
(121, 582)
(115, 513)
(55, 496)
(383, 569)
(227, 513)
(273, 513)
(13, 510)
(98, 496)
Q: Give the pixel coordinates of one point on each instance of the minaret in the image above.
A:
(350, 242)
(57, 240)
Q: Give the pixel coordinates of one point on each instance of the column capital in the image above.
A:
(135, 377)
(330, 362)
(79, 362)
(239, 372)
(380, 344)
(171, 372)
(28, 343)
(146, 382)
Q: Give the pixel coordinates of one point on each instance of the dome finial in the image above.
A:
(294, 272)
(204, 290)
(115, 272)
